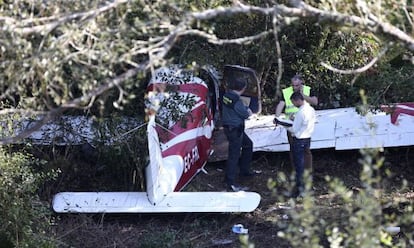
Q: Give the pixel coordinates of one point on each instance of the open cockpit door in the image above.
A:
(251, 96)
(211, 77)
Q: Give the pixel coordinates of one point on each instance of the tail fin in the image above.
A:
(161, 174)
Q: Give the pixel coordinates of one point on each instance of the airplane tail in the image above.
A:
(162, 174)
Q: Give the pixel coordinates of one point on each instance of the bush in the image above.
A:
(24, 218)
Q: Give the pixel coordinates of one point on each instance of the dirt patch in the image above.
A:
(214, 230)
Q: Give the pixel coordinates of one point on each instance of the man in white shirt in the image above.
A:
(301, 130)
(297, 85)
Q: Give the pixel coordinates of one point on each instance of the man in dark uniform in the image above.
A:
(234, 114)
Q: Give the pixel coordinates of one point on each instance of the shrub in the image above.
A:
(23, 217)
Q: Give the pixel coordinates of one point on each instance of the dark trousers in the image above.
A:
(308, 154)
(299, 149)
(240, 153)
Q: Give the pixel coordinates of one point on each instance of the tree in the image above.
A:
(90, 57)
(63, 55)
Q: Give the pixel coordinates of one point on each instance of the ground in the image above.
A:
(214, 230)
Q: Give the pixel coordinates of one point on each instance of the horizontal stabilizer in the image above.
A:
(137, 202)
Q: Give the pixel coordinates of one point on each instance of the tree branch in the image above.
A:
(359, 70)
(279, 55)
(305, 11)
(21, 28)
(214, 40)
(75, 103)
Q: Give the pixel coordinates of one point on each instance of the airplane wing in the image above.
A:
(341, 129)
(137, 202)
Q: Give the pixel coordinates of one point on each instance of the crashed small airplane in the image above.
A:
(183, 134)
(183, 111)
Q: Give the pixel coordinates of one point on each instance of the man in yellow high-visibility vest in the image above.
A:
(290, 110)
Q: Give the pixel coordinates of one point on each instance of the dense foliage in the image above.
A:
(94, 58)
(24, 217)
(93, 55)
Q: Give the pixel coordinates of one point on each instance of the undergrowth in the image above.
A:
(24, 217)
